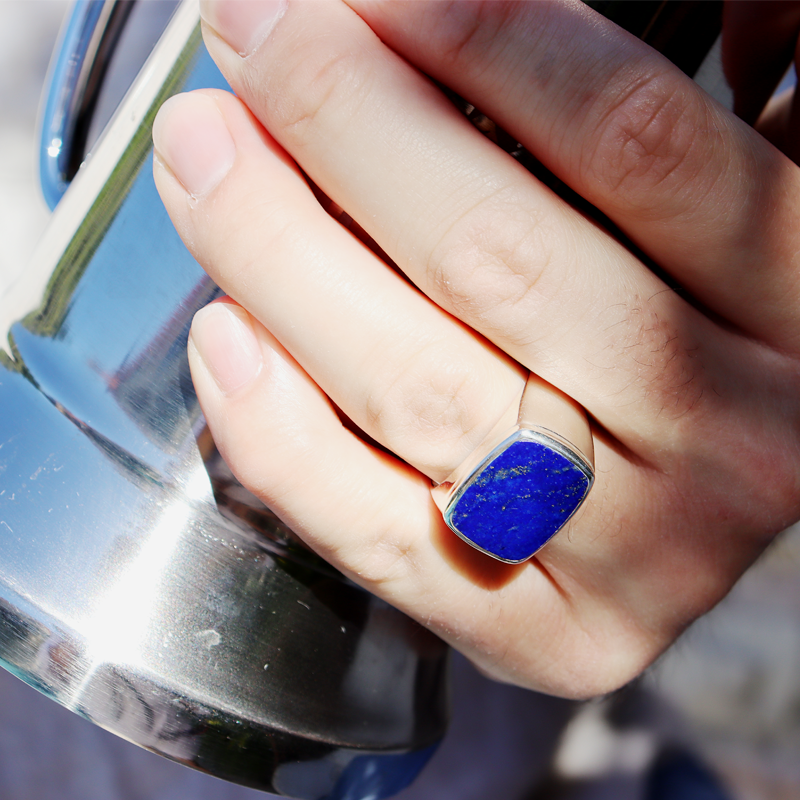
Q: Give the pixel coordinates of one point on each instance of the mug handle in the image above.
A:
(83, 52)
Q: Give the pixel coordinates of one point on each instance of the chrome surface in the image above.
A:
(76, 76)
(140, 585)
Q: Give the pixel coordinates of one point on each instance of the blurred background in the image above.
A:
(728, 693)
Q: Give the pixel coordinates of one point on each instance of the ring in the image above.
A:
(524, 482)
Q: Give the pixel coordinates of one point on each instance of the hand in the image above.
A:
(693, 392)
(760, 42)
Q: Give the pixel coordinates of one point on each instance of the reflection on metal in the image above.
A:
(140, 585)
(75, 79)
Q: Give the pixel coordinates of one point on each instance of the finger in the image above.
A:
(692, 185)
(373, 518)
(472, 227)
(243, 376)
(405, 372)
(780, 122)
(758, 44)
(698, 191)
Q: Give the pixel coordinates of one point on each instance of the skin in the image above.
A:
(346, 372)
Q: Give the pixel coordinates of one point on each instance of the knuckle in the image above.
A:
(657, 133)
(612, 669)
(492, 267)
(586, 662)
(392, 559)
(427, 409)
(469, 29)
(323, 84)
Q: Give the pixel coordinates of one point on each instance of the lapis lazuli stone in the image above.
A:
(519, 500)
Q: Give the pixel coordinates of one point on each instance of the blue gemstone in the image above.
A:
(519, 499)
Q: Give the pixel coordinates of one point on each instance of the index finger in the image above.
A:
(700, 192)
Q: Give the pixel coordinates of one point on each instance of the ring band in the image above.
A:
(524, 482)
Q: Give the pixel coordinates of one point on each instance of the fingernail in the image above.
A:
(243, 24)
(223, 337)
(191, 138)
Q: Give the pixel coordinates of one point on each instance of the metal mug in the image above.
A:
(140, 585)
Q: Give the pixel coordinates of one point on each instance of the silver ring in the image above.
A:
(525, 481)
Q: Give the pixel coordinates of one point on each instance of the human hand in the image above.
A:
(760, 41)
(693, 393)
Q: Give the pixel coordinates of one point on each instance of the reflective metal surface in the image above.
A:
(76, 75)
(140, 585)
